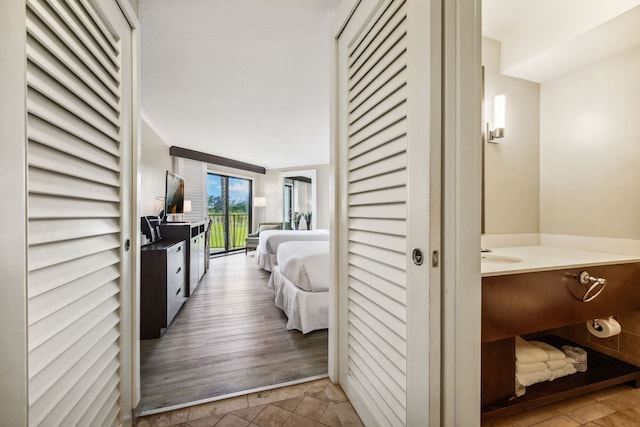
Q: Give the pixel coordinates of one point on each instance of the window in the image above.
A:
(229, 207)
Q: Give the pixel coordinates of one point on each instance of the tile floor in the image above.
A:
(617, 406)
(317, 403)
(320, 403)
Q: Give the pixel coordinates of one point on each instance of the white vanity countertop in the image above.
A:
(542, 258)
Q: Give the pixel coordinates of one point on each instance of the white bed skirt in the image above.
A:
(306, 311)
(265, 260)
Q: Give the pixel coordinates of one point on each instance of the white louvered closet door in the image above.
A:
(79, 195)
(384, 162)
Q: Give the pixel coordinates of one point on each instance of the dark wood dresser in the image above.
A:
(163, 279)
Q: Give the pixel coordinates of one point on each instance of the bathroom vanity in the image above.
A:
(526, 290)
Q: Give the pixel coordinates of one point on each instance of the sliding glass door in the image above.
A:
(229, 202)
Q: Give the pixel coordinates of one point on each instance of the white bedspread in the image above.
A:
(305, 264)
(306, 311)
(269, 241)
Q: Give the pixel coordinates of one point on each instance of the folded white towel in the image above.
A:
(520, 389)
(563, 372)
(528, 368)
(529, 353)
(556, 364)
(533, 378)
(554, 353)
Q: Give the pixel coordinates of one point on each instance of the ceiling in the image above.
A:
(543, 39)
(250, 80)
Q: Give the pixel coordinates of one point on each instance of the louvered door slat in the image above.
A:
(43, 83)
(68, 316)
(396, 358)
(386, 327)
(48, 303)
(48, 231)
(107, 393)
(393, 131)
(390, 32)
(47, 183)
(57, 275)
(48, 18)
(376, 176)
(396, 83)
(393, 243)
(394, 98)
(383, 166)
(46, 353)
(42, 107)
(53, 137)
(379, 66)
(389, 289)
(56, 404)
(45, 60)
(391, 69)
(75, 205)
(53, 160)
(106, 58)
(106, 42)
(39, 35)
(387, 372)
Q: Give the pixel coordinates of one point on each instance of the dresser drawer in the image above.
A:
(175, 258)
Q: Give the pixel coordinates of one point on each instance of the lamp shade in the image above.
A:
(259, 202)
(187, 206)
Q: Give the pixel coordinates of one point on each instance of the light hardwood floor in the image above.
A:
(228, 337)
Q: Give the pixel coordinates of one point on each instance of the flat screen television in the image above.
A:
(173, 195)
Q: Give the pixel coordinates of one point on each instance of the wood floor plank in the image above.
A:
(229, 337)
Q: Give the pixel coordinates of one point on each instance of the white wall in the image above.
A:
(271, 187)
(511, 166)
(590, 150)
(154, 163)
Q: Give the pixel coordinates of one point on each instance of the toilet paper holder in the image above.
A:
(597, 285)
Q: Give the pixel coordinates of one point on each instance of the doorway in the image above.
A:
(229, 207)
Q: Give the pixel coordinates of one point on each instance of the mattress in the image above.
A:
(269, 240)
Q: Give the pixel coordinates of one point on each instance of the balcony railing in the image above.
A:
(238, 230)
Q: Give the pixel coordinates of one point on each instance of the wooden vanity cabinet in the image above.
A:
(162, 284)
(534, 302)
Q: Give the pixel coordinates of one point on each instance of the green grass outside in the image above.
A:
(238, 230)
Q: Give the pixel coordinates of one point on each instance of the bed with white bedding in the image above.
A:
(300, 281)
(269, 240)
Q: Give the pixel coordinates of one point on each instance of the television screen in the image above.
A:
(174, 194)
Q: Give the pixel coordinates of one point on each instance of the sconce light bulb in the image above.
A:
(499, 111)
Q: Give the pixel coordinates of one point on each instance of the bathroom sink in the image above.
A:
(498, 259)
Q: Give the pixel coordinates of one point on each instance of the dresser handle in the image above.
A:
(178, 271)
(178, 291)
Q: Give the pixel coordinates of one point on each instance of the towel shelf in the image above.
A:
(602, 372)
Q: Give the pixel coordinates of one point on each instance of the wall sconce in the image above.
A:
(187, 206)
(499, 112)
